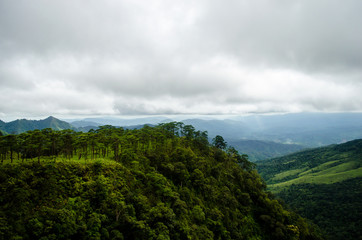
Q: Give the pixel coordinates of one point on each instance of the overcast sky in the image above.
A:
(133, 57)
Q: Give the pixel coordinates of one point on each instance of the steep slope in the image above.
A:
(162, 186)
(321, 165)
(54, 123)
(261, 150)
(23, 125)
(323, 184)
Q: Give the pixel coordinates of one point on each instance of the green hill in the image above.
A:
(261, 150)
(23, 125)
(322, 184)
(163, 182)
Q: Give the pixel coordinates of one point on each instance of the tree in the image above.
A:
(37, 143)
(10, 143)
(219, 142)
(241, 159)
(67, 137)
(188, 131)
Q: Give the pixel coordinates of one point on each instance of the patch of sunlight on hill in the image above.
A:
(331, 175)
(286, 174)
(319, 168)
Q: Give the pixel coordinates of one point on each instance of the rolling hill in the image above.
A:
(322, 184)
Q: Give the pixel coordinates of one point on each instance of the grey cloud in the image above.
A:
(308, 35)
(210, 57)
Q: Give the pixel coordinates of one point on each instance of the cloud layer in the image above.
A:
(190, 57)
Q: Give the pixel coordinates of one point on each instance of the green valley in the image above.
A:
(322, 184)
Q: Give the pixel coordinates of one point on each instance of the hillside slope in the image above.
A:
(149, 183)
(323, 184)
(329, 164)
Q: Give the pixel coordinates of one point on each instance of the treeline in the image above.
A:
(107, 141)
(166, 182)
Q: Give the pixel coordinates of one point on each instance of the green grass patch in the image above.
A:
(319, 168)
(335, 174)
(283, 175)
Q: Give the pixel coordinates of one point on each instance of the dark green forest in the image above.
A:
(336, 208)
(163, 182)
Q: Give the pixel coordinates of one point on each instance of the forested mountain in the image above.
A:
(322, 184)
(23, 125)
(163, 182)
(261, 150)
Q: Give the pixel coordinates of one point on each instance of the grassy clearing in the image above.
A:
(286, 174)
(331, 175)
(319, 168)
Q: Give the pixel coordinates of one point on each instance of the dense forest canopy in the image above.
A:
(164, 182)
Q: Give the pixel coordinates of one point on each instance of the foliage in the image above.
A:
(329, 161)
(163, 182)
(336, 208)
(219, 142)
(323, 185)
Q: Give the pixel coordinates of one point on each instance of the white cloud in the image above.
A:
(205, 57)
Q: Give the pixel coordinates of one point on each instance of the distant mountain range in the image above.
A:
(259, 136)
(307, 129)
(261, 150)
(322, 184)
(23, 125)
(124, 122)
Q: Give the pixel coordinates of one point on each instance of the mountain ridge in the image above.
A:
(23, 125)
